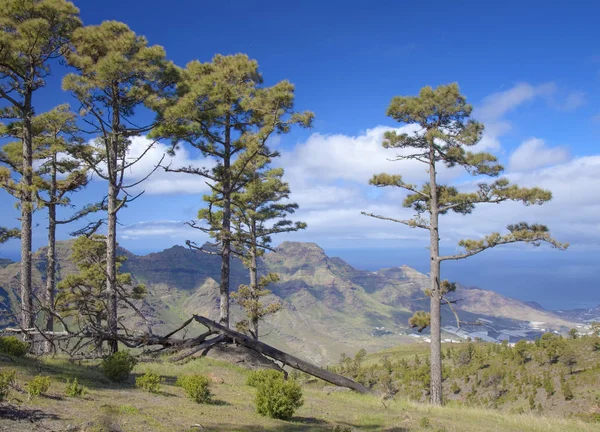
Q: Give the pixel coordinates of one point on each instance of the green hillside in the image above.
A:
(123, 407)
(553, 375)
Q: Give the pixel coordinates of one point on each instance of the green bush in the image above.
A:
(149, 382)
(567, 391)
(118, 366)
(11, 345)
(7, 380)
(196, 387)
(255, 378)
(39, 385)
(73, 389)
(277, 398)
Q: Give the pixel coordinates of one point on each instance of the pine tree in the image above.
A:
(444, 135)
(32, 34)
(259, 211)
(82, 296)
(117, 73)
(223, 111)
(54, 136)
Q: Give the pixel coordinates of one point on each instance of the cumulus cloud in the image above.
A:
(329, 175)
(533, 153)
(161, 182)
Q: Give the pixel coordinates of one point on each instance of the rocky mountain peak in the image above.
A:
(307, 252)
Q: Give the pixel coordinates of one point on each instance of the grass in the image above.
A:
(109, 406)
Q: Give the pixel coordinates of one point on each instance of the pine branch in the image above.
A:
(413, 223)
(519, 233)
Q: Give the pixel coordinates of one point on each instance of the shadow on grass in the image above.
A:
(62, 369)
(14, 413)
(293, 426)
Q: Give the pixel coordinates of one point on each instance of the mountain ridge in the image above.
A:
(329, 307)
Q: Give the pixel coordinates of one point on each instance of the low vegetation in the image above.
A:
(276, 397)
(38, 386)
(7, 380)
(197, 387)
(553, 374)
(12, 346)
(109, 405)
(149, 382)
(73, 389)
(118, 366)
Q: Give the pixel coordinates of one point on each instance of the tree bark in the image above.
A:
(226, 229)
(111, 266)
(27, 318)
(253, 288)
(435, 300)
(51, 260)
(114, 184)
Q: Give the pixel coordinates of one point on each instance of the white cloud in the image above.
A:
(499, 104)
(329, 175)
(144, 230)
(572, 101)
(161, 182)
(494, 107)
(571, 215)
(533, 153)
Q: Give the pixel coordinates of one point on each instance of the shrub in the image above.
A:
(73, 389)
(567, 391)
(255, 378)
(39, 385)
(118, 366)
(149, 382)
(277, 398)
(424, 422)
(196, 387)
(11, 345)
(7, 380)
(455, 388)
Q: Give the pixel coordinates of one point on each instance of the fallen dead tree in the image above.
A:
(287, 359)
(182, 348)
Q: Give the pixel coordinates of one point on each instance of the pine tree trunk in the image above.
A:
(253, 288)
(51, 256)
(111, 233)
(27, 318)
(435, 300)
(111, 267)
(226, 229)
(50, 273)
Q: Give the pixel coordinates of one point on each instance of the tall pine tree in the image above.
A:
(117, 74)
(57, 175)
(32, 34)
(260, 211)
(445, 133)
(224, 112)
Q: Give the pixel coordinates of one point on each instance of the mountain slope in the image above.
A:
(329, 307)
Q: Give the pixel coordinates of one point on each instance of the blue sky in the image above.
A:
(531, 71)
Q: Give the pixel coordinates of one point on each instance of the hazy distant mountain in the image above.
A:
(329, 306)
